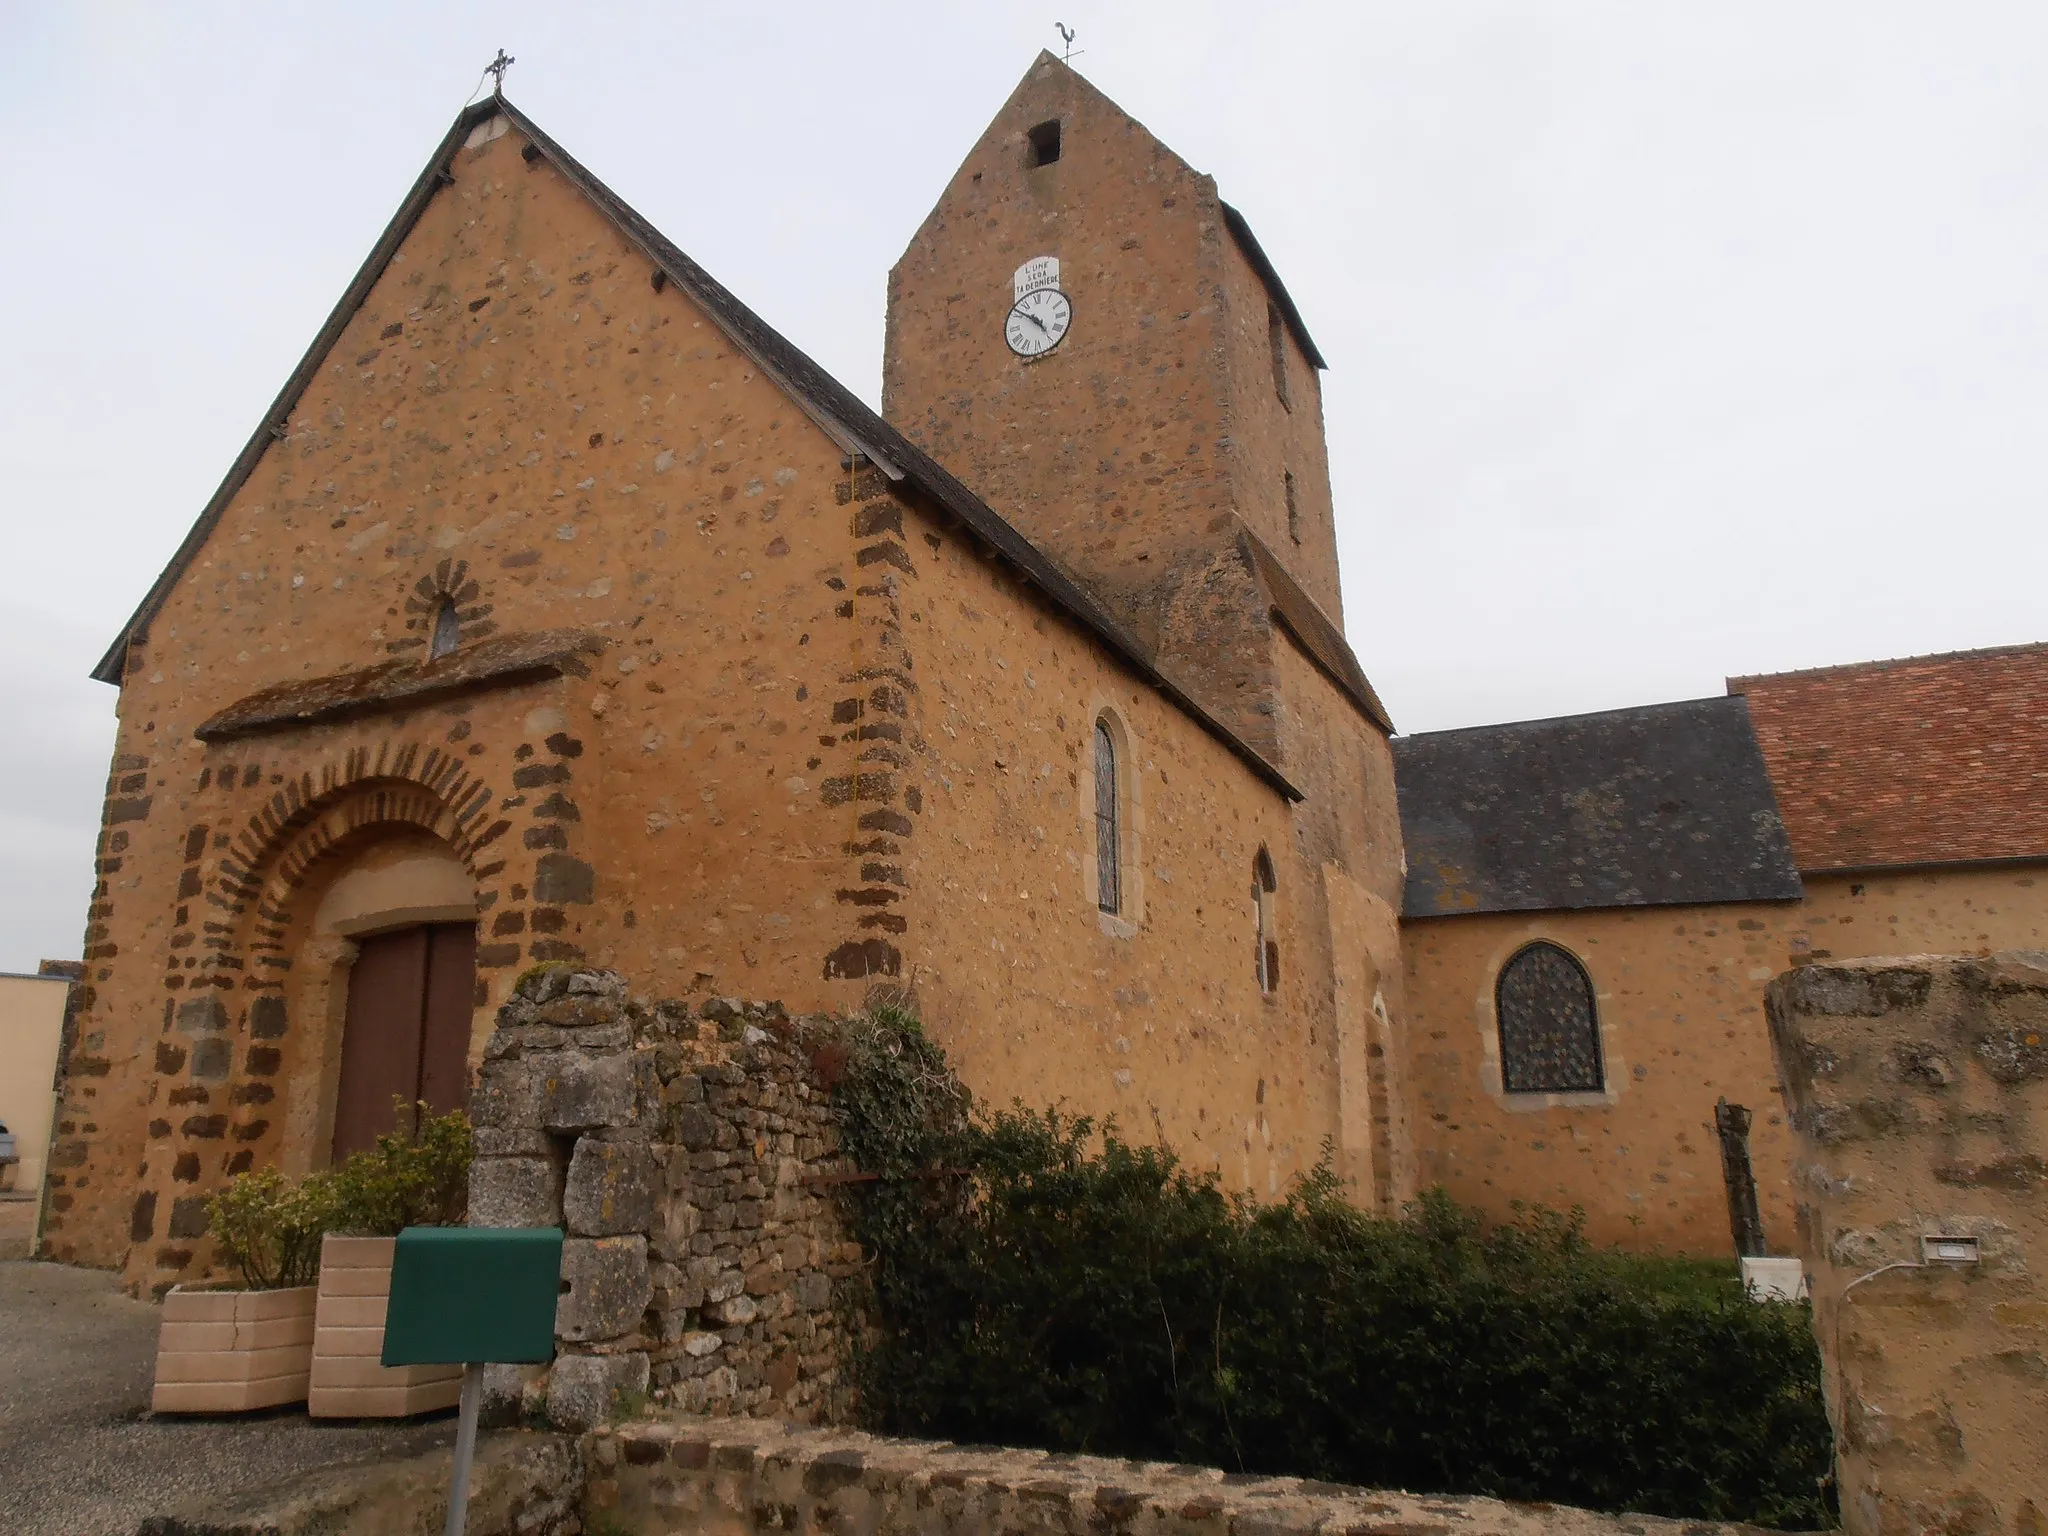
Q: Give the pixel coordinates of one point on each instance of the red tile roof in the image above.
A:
(1926, 760)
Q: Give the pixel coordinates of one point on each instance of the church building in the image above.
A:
(559, 609)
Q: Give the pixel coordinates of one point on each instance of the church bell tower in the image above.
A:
(1089, 337)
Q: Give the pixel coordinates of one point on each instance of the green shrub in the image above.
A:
(416, 1176)
(270, 1228)
(1037, 1283)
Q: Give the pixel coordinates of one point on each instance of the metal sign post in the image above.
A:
(466, 1296)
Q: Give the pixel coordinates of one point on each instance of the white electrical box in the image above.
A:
(1774, 1279)
(1937, 1249)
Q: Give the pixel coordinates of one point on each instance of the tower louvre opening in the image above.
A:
(1045, 143)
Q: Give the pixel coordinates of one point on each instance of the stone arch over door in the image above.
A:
(233, 1077)
(383, 980)
(312, 877)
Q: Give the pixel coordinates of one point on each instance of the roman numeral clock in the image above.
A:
(1040, 315)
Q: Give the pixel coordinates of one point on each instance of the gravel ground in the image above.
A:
(80, 1453)
(17, 1224)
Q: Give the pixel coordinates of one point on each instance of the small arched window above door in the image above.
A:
(1549, 1032)
(447, 633)
(1108, 828)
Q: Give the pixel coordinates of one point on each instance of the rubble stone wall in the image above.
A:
(1919, 1088)
(753, 1478)
(691, 1155)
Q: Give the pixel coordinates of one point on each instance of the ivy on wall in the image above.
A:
(1033, 1279)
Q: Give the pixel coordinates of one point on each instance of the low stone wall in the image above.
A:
(691, 1156)
(697, 1476)
(1919, 1089)
(712, 1477)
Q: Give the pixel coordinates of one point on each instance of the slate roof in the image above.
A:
(835, 409)
(1924, 760)
(1661, 805)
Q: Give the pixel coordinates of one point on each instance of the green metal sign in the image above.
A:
(466, 1295)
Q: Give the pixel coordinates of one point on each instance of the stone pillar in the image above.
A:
(1919, 1090)
(689, 1156)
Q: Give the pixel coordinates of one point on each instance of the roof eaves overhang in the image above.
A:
(1986, 862)
(1420, 912)
(1262, 264)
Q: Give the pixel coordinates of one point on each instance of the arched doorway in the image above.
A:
(400, 917)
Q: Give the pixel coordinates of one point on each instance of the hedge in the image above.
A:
(1036, 1280)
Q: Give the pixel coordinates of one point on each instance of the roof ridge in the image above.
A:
(1884, 663)
(1590, 714)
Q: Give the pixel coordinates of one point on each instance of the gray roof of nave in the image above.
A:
(1663, 804)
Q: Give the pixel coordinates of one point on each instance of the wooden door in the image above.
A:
(406, 1036)
(450, 1003)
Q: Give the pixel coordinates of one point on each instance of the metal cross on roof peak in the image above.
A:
(496, 70)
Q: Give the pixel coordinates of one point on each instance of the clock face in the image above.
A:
(1037, 321)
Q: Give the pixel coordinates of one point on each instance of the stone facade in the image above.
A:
(1152, 454)
(1676, 992)
(1679, 994)
(729, 709)
(1920, 1094)
(691, 1155)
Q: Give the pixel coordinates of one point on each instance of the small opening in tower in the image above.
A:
(1293, 509)
(1045, 143)
(1276, 340)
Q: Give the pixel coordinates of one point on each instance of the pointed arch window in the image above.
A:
(447, 632)
(1108, 833)
(1264, 885)
(1549, 1032)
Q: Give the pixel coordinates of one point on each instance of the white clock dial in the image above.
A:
(1037, 321)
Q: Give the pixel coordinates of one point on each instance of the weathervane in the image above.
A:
(496, 70)
(1066, 37)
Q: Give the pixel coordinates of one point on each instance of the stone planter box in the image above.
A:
(228, 1351)
(348, 1338)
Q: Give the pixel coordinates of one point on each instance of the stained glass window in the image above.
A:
(1549, 1037)
(1108, 882)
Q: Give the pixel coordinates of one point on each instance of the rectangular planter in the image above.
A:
(228, 1351)
(348, 1337)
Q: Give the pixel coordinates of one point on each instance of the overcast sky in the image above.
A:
(1667, 340)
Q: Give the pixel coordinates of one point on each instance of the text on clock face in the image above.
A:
(1037, 321)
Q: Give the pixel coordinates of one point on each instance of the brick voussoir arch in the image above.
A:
(221, 1111)
(274, 851)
